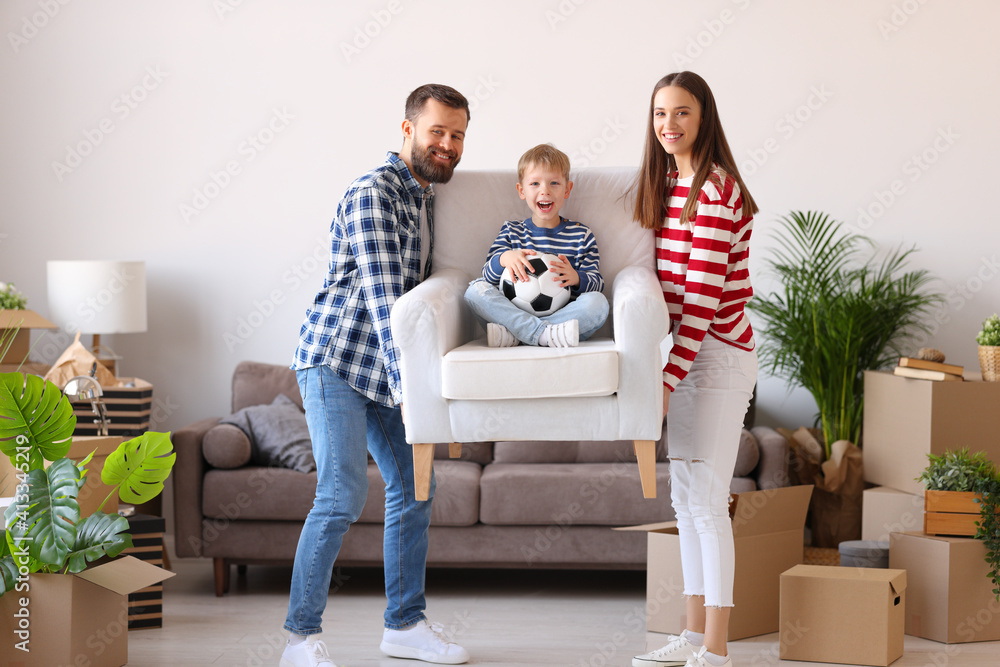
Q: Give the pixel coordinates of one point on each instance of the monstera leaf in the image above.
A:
(51, 514)
(139, 467)
(36, 410)
(8, 568)
(98, 535)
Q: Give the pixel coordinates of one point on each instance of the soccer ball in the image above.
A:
(541, 295)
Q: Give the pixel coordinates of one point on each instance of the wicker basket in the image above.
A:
(989, 362)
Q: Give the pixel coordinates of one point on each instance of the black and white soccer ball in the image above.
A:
(541, 295)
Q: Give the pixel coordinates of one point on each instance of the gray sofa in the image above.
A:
(505, 505)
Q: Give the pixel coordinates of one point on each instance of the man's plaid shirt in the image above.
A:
(375, 259)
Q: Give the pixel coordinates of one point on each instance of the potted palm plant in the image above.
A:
(838, 313)
(989, 348)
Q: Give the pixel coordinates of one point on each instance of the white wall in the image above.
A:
(828, 105)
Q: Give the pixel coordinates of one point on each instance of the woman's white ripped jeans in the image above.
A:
(704, 424)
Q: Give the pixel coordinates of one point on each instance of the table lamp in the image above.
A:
(98, 297)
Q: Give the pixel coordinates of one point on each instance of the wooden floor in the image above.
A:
(503, 617)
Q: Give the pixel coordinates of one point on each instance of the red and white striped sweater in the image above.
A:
(703, 270)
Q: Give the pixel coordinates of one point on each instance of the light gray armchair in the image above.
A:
(455, 389)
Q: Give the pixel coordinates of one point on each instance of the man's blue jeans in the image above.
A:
(489, 304)
(344, 426)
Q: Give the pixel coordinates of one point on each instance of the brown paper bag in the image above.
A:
(835, 507)
(78, 360)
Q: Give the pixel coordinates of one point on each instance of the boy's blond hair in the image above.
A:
(543, 154)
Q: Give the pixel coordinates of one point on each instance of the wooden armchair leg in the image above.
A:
(645, 454)
(423, 468)
(454, 450)
(221, 576)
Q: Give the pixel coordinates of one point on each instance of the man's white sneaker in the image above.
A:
(700, 660)
(497, 335)
(423, 641)
(310, 653)
(674, 654)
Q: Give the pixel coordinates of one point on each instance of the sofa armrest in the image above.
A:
(427, 322)
(772, 470)
(188, 475)
(640, 324)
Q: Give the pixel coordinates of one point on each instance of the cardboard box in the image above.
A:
(885, 510)
(26, 320)
(128, 408)
(850, 615)
(768, 532)
(78, 619)
(145, 606)
(907, 419)
(949, 594)
(94, 491)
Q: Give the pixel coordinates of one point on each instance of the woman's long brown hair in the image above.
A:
(655, 179)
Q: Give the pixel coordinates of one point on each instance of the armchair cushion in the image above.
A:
(477, 372)
(748, 456)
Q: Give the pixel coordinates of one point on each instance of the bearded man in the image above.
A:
(346, 366)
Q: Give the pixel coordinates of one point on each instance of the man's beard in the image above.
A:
(426, 167)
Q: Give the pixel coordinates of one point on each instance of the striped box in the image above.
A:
(128, 408)
(145, 606)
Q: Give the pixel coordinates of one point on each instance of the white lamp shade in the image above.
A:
(98, 297)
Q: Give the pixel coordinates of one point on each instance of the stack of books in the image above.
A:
(928, 370)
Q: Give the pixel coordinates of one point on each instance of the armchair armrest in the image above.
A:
(427, 322)
(188, 476)
(640, 324)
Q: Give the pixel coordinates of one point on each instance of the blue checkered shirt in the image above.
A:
(375, 259)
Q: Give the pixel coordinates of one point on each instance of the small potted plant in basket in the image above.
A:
(989, 348)
(962, 497)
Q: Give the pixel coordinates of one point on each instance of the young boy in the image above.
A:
(543, 182)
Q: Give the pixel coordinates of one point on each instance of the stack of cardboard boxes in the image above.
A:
(949, 593)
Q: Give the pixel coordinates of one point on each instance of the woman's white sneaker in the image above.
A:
(423, 641)
(310, 653)
(675, 653)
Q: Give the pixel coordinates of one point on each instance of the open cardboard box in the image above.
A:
(94, 491)
(74, 619)
(25, 320)
(850, 615)
(949, 594)
(768, 532)
(907, 419)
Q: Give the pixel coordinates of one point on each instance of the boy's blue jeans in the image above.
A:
(344, 426)
(489, 304)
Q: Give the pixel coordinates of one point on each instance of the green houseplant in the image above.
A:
(11, 299)
(989, 348)
(43, 530)
(974, 474)
(837, 314)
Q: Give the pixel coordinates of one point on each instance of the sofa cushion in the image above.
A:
(279, 435)
(475, 371)
(456, 498)
(226, 446)
(603, 494)
(569, 452)
(748, 456)
(475, 452)
(277, 494)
